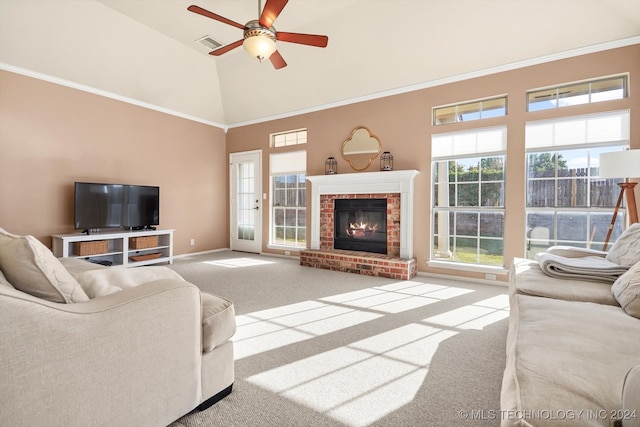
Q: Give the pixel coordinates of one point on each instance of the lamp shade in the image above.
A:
(259, 46)
(620, 164)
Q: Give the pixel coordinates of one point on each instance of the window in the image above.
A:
(567, 202)
(476, 110)
(577, 93)
(288, 199)
(468, 196)
(286, 139)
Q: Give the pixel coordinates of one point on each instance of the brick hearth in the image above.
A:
(360, 262)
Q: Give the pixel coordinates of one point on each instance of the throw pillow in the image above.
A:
(626, 250)
(31, 268)
(626, 291)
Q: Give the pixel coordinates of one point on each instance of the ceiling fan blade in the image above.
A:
(204, 12)
(308, 39)
(277, 60)
(224, 49)
(272, 9)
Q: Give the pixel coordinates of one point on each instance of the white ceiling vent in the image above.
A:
(209, 42)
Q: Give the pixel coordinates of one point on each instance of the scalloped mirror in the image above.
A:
(361, 148)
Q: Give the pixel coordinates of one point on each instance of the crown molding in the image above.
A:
(452, 79)
(106, 94)
(397, 91)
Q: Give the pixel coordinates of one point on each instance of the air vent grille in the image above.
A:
(209, 42)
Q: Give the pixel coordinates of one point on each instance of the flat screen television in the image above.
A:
(133, 207)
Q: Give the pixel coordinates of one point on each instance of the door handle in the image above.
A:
(256, 208)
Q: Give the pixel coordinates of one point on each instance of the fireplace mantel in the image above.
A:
(367, 183)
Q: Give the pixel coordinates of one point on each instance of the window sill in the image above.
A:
(469, 267)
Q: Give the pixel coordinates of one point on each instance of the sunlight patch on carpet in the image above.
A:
(413, 343)
(270, 329)
(397, 297)
(474, 316)
(360, 383)
(238, 262)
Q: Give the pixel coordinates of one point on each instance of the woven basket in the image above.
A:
(143, 242)
(91, 248)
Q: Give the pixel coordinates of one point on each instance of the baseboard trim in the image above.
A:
(464, 279)
(189, 254)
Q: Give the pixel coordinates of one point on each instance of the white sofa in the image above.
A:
(146, 351)
(573, 353)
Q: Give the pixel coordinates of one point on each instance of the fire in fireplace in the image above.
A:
(360, 225)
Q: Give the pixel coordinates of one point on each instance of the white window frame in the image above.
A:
(453, 146)
(285, 164)
(288, 138)
(555, 95)
(561, 135)
(478, 106)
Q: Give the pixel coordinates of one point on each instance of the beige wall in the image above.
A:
(403, 124)
(52, 136)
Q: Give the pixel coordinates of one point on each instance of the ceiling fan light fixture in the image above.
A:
(261, 47)
(259, 41)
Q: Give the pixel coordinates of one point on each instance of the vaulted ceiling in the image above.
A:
(147, 50)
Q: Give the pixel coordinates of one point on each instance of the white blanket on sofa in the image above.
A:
(591, 268)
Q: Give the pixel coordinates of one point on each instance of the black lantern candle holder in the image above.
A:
(386, 161)
(331, 166)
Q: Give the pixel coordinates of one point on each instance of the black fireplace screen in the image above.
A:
(360, 225)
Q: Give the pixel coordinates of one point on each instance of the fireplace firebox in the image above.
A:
(360, 225)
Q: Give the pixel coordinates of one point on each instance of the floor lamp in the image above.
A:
(622, 164)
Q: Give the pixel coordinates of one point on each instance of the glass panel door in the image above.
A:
(246, 217)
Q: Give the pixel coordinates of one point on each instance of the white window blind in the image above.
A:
(288, 163)
(610, 127)
(468, 143)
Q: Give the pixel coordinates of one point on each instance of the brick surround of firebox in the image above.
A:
(393, 219)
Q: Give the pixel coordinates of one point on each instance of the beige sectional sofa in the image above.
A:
(84, 345)
(573, 353)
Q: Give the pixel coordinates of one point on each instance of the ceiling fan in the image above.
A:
(259, 37)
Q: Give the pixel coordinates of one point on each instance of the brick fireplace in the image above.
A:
(396, 259)
(392, 224)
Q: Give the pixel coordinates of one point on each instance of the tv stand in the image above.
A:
(119, 250)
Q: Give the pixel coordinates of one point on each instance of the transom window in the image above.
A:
(468, 111)
(577, 93)
(289, 138)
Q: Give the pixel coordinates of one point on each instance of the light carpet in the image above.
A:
(322, 348)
